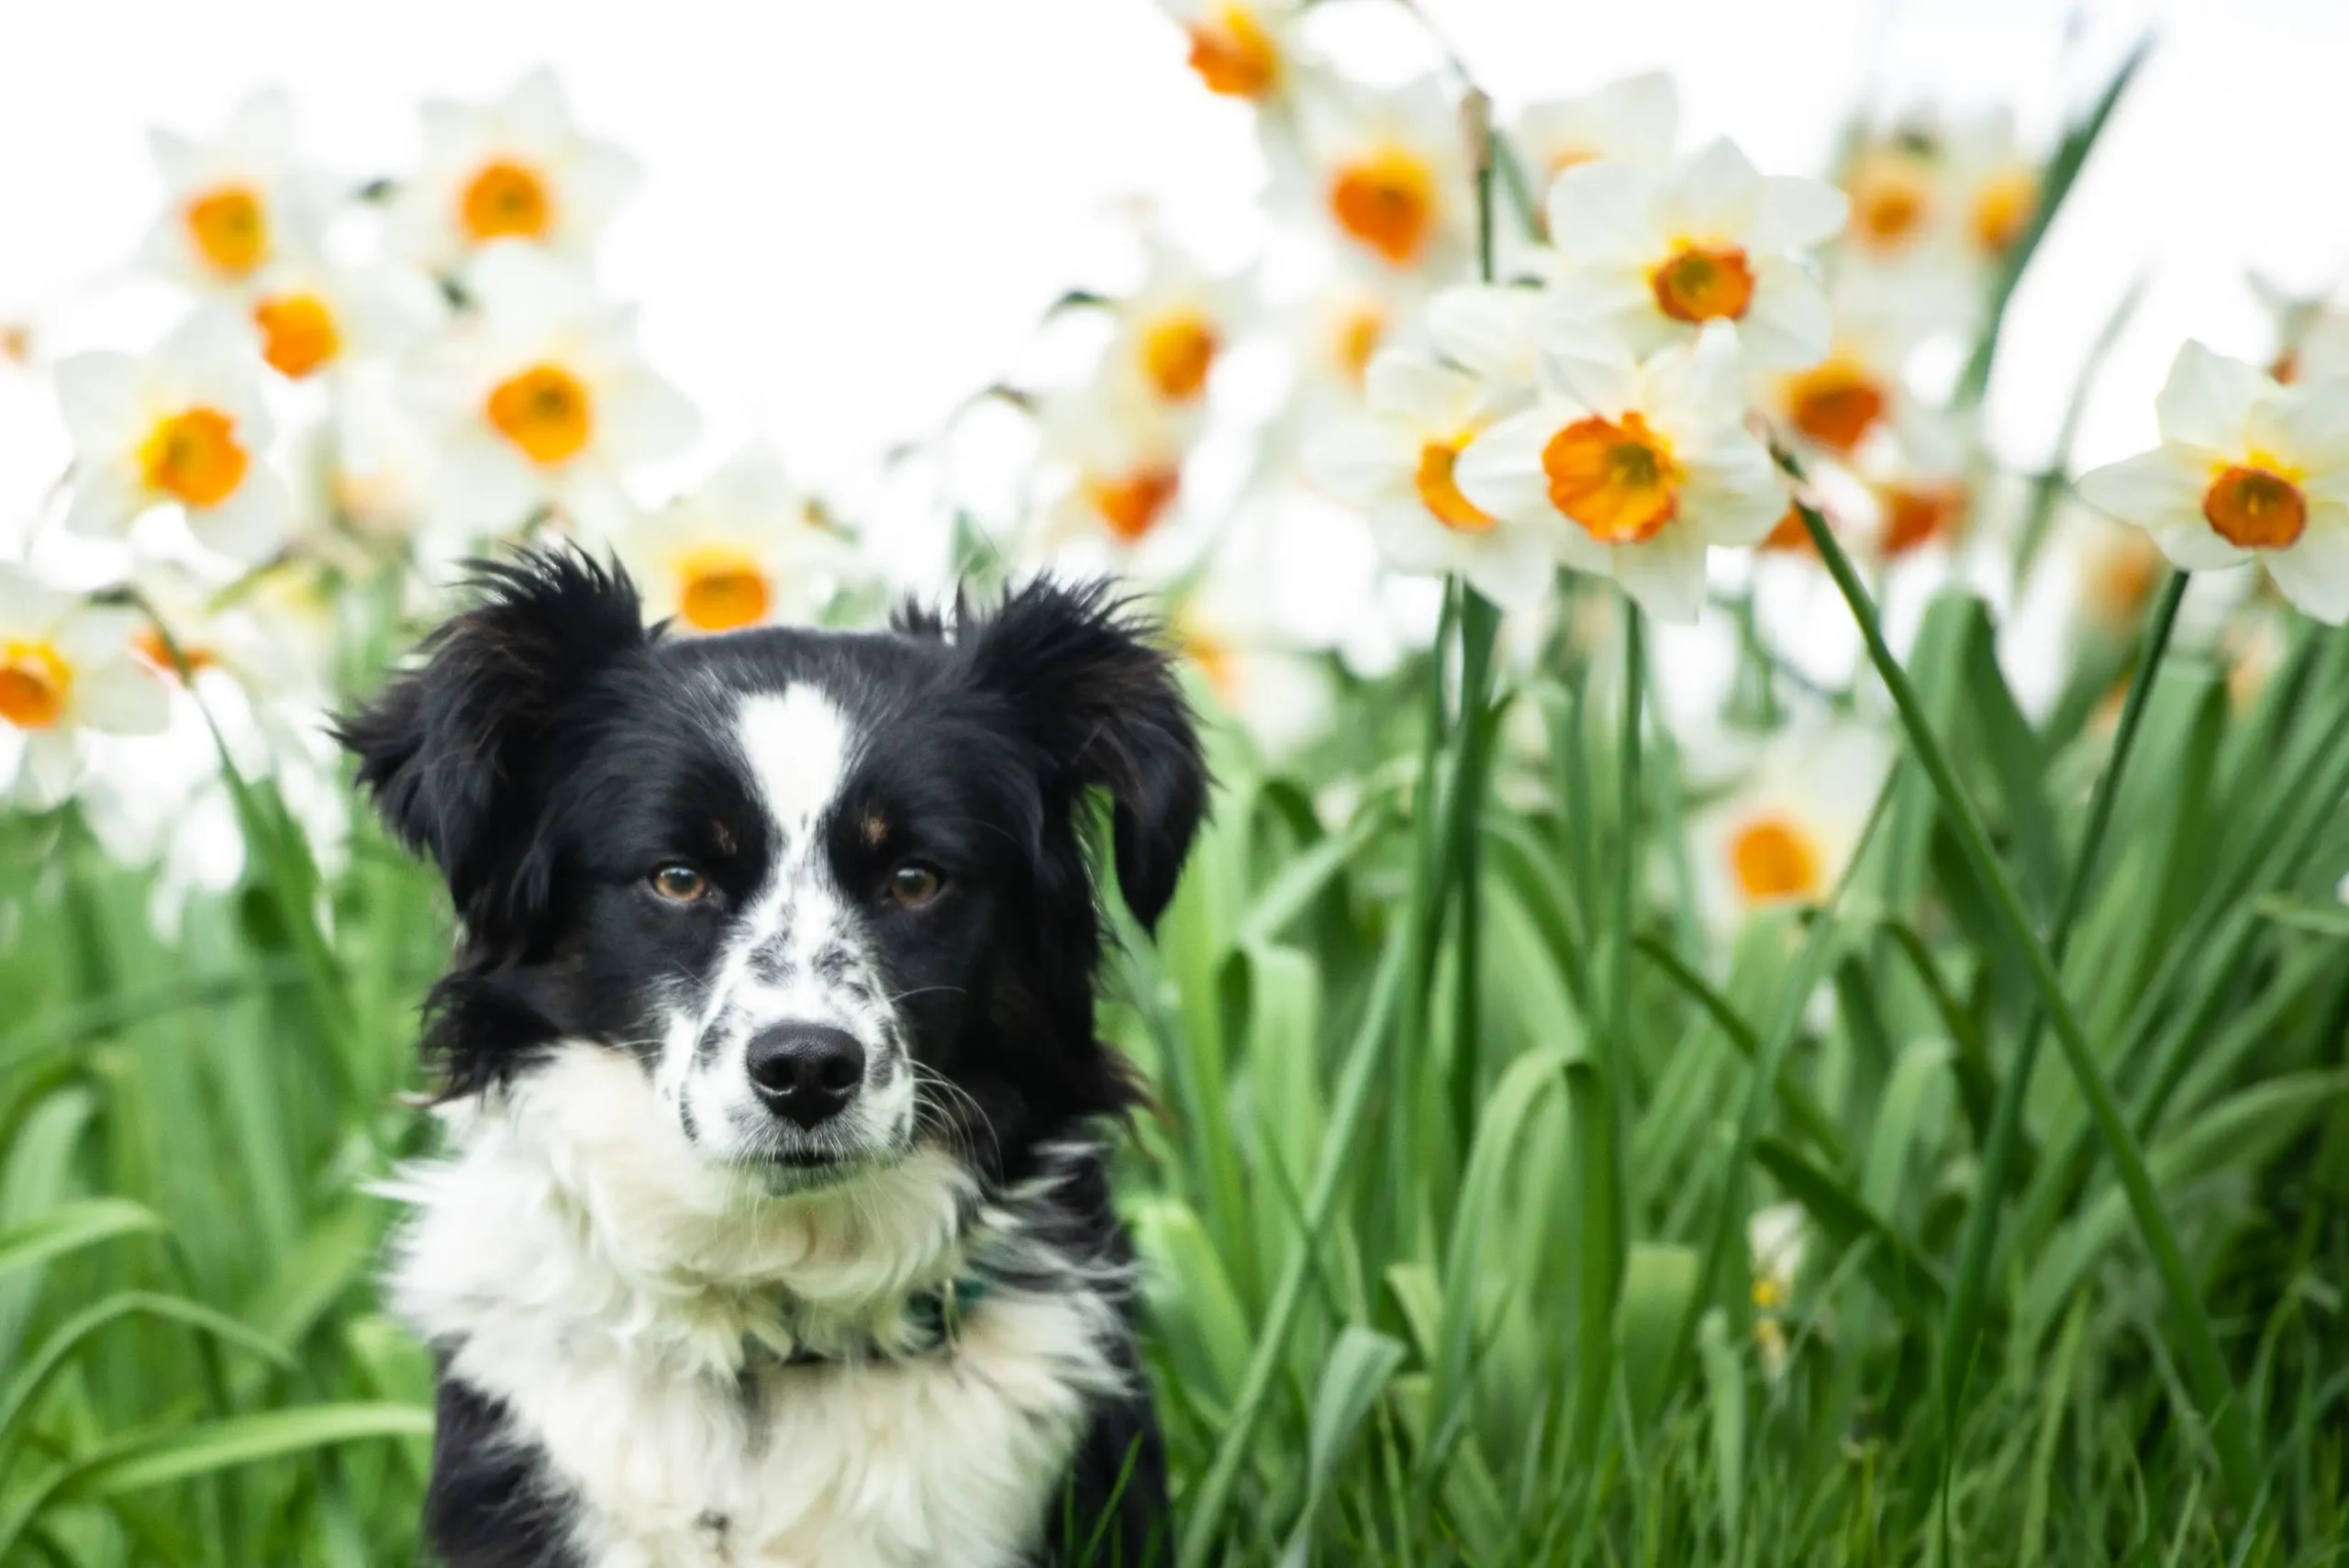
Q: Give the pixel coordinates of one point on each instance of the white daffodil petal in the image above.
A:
(486, 486)
(52, 765)
(2192, 543)
(1511, 566)
(1421, 393)
(1410, 538)
(1485, 329)
(2314, 574)
(1588, 365)
(122, 697)
(2139, 488)
(1737, 497)
(1796, 214)
(2208, 398)
(99, 396)
(1665, 574)
(1787, 327)
(1500, 471)
(2313, 425)
(92, 634)
(251, 524)
(1363, 462)
(107, 498)
(1599, 212)
(1716, 196)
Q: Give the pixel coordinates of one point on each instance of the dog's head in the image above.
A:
(829, 890)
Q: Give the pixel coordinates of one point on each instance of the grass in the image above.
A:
(1446, 1230)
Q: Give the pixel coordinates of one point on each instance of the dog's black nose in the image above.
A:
(806, 1072)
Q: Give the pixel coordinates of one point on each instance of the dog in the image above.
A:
(774, 1224)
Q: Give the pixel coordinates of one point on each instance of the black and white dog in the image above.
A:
(774, 1225)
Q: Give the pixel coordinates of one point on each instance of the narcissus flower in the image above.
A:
(315, 320)
(1635, 120)
(1787, 832)
(542, 399)
(1394, 176)
(1242, 49)
(235, 205)
(1122, 458)
(2247, 469)
(185, 426)
(1399, 466)
(1774, 1242)
(1659, 257)
(1994, 187)
(1633, 471)
(65, 666)
(517, 169)
(744, 548)
(1172, 331)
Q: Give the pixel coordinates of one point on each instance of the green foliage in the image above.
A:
(1383, 1333)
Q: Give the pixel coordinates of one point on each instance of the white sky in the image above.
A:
(856, 209)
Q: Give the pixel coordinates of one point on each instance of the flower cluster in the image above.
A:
(372, 381)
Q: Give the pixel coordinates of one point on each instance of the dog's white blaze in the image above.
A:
(590, 1270)
(797, 743)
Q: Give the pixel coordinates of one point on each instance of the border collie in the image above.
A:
(773, 1225)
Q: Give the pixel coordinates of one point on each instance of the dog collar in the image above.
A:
(937, 1316)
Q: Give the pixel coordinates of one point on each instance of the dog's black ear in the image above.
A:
(448, 747)
(1091, 689)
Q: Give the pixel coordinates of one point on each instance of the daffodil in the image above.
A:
(2247, 469)
(1244, 49)
(183, 426)
(1659, 256)
(1121, 457)
(1635, 120)
(1775, 1242)
(1631, 470)
(1787, 831)
(1490, 330)
(1173, 331)
(235, 205)
(541, 399)
(1393, 177)
(1399, 466)
(1994, 185)
(744, 548)
(66, 666)
(515, 170)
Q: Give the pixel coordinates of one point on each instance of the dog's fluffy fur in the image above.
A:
(673, 1327)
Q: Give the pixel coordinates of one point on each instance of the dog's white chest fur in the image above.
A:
(590, 1273)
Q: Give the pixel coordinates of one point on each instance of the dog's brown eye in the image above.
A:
(680, 884)
(913, 885)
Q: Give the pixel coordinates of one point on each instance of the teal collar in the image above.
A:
(936, 1315)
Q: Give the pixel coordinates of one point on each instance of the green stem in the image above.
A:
(1463, 855)
(1605, 1206)
(2205, 1368)
(1962, 1320)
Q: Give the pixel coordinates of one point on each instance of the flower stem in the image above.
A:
(2205, 1369)
(1962, 1320)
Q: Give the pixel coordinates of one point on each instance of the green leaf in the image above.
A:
(85, 1223)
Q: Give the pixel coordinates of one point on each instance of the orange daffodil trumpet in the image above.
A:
(65, 666)
(514, 170)
(1393, 178)
(1631, 470)
(183, 427)
(2247, 469)
(1243, 49)
(1656, 258)
(541, 399)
